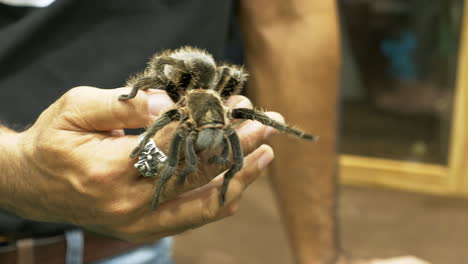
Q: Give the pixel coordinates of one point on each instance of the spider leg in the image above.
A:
(162, 121)
(246, 113)
(174, 90)
(190, 157)
(147, 79)
(223, 157)
(171, 164)
(159, 63)
(237, 163)
(231, 82)
(223, 79)
(140, 82)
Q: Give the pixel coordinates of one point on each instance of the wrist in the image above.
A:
(10, 166)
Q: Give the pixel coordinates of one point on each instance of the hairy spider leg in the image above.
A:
(223, 71)
(171, 164)
(191, 159)
(160, 61)
(162, 121)
(174, 90)
(146, 81)
(229, 84)
(246, 113)
(158, 64)
(224, 156)
(237, 163)
(140, 82)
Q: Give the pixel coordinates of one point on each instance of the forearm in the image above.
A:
(294, 64)
(9, 166)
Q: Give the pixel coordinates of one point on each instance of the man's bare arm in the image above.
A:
(9, 166)
(293, 54)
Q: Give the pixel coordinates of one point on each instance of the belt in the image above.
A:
(52, 250)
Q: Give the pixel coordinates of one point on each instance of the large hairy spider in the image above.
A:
(199, 89)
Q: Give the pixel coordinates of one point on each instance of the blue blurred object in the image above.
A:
(400, 52)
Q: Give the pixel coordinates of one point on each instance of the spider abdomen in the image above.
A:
(209, 138)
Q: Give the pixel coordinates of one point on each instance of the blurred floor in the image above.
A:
(375, 223)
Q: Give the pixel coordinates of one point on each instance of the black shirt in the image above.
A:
(46, 51)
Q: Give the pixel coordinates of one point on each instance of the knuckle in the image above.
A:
(116, 113)
(49, 150)
(133, 113)
(98, 175)
(79, 90)
(122, 208)
(68, 106)
(208, 215)
(75, 93)
(250, 142)
(235, 189)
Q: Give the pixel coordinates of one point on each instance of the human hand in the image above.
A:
(75, 168)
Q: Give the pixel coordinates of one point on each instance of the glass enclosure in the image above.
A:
(398, 80)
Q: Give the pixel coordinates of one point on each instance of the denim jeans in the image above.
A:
(159, 252)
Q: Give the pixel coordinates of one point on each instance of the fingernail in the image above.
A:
(239, 101)
(158, 102)
(235, 100)
(117, 133)
(265, 160)
(243, 103)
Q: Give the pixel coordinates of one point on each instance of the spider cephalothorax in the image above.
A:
(199, 89)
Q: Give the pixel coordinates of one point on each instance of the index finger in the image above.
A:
(94, 109)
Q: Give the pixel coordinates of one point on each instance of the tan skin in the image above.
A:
(293, 55)
(299, 35)
(73, 166)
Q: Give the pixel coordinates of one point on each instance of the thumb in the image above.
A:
(95, 109)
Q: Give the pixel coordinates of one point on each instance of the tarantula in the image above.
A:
(199, 89)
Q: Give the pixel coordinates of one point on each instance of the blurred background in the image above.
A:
(403, 144)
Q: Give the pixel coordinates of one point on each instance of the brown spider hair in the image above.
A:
(199, 89)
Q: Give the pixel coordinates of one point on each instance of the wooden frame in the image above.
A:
(458, 162)
(421, 177)
(409, 176)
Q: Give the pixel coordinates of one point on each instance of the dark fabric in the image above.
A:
(46, 51)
